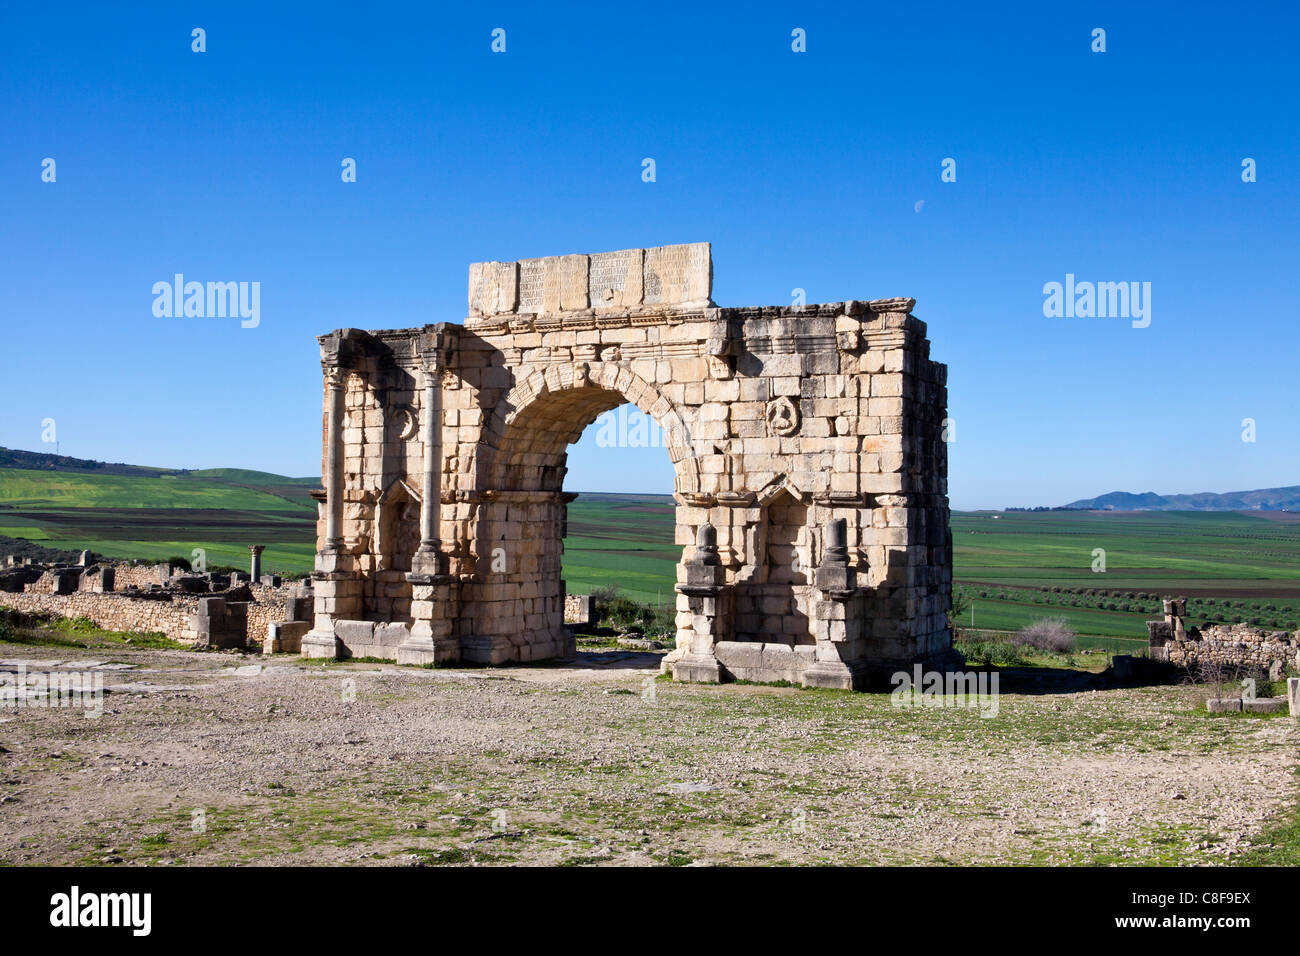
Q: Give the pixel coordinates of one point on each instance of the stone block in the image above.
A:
(1264, 705)
(1223, 705)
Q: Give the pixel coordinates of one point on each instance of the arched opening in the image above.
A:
(517, 592)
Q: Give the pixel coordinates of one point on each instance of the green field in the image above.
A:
(623, 540)
(1010, 567)
(1015, 567)
(157, 516)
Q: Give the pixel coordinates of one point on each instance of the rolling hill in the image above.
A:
(1264, 499)
(1011, 568)
(130, 511)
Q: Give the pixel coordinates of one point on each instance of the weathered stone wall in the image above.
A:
(1235, 647)
(579, 609)
(778, 420)
(137, 575)
(169, 614)
(114, 612)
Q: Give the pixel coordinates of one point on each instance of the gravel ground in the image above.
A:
(218, 758)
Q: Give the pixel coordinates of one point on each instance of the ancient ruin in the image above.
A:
(807, 441)
(1227, 648)
(208, 609)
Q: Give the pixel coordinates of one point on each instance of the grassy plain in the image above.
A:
(1010, 567)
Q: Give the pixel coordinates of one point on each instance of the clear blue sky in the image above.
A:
(803, 170)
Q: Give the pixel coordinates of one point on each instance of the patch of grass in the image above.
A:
(676, 858)
(1280, 844)
(46, 630)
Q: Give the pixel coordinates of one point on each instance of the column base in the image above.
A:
(321, 644)
(693, 669)
(429, 564)
(422, 651)
(486, 650)
(835, 675)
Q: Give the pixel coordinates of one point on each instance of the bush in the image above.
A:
(182, 563)
(604, 593)
(1052, 634)
(622, 612)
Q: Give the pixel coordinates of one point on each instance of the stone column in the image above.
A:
(434, 594)
(336, 591)
(255, 570)
(429, 559)
(711, 608)
(335, 378)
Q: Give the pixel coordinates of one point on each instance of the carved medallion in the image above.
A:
(404, 420)
(782, 417)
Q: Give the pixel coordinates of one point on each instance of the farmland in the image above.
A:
(1104, 571)
(157, 515)
(1014, 567)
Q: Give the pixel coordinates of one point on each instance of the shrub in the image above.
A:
(1052, 634)
(983, 651)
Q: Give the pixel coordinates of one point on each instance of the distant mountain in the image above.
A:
(1265, 499)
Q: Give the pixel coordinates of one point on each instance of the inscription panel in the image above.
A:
(676, 274)
(615, 278)
(626, 278)
(532, 279)
(492, 287)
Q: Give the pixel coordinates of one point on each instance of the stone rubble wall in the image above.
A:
(1235, 646)
(170, 615)
(136, 575)
(579, 609)
(114, 612)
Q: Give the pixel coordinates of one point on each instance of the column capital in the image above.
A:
(335, 375)
(434, 350)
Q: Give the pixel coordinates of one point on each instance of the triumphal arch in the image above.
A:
(807, 442)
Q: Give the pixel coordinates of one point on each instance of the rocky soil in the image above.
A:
(212, 758)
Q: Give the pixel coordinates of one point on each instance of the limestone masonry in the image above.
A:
(811, 473)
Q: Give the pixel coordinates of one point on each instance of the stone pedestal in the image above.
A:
(321, 642)
(337, 598)
(712, 610)
(838, 626)
(434, 608)
(285, 637)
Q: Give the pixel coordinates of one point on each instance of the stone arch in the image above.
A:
(548, 409)
(791, 424)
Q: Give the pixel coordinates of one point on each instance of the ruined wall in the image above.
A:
(579, 609)
(144, 611)
(1235, 647)
(114, 612)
